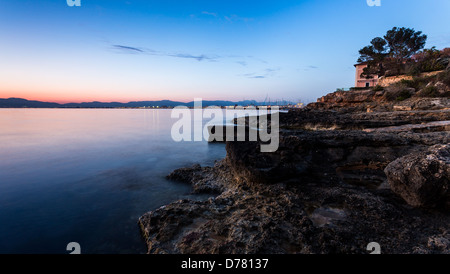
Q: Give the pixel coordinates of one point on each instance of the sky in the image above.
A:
(136, 50)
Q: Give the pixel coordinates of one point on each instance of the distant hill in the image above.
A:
(23, 103)
(20, 103)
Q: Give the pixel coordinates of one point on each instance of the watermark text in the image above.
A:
(374, 3)
(73, 3)
(250, 124)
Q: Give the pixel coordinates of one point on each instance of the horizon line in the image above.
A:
(138, 101)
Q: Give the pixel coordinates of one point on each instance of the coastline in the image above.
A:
(356, 167)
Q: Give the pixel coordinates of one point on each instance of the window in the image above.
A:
(367, 85)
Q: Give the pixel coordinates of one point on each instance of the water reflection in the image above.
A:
(86, 175)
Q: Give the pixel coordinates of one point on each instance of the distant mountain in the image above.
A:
(23, 103)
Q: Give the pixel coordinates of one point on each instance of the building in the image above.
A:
(361, 82)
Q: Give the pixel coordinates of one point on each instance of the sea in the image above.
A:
(87, 175)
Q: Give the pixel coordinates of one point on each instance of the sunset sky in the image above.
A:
(109, 50)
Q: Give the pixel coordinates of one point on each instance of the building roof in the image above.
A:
(359, 64)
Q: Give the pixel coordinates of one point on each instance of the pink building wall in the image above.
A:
(361, 82)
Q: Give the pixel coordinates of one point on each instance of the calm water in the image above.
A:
(86, 176)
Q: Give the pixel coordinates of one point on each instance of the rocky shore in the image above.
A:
(354, 168)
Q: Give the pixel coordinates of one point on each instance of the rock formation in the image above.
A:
(422, 178)
(343, 177)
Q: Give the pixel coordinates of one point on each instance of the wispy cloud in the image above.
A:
(127, 49)
(267, 73)
(241, 60)
(242, 63)
(138, 50)
(209, 13)
(253, 76)
(257, 59)
(235, 18)
(271, 70)
(231, 18)
(308, 68)
(196, 57)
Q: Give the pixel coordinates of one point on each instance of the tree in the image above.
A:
(375, 51)
(374, 55)
(404, 43)
(392, 52)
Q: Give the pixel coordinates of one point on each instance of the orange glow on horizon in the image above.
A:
(82, 98)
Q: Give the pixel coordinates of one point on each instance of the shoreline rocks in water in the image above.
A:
(332, 187)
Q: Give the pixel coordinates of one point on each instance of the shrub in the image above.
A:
(378, 88)
(444, 77)
(418, 82)
(429, 91)
(410, 83)
(403, 95)
(358, 88)
(397, 92)
(414, 71)
(426, 61)
(446, 52)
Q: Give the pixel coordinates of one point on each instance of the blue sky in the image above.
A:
(181, 50)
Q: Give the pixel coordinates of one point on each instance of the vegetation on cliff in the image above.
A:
(401, 51)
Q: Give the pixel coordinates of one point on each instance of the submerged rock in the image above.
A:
(203, 180)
